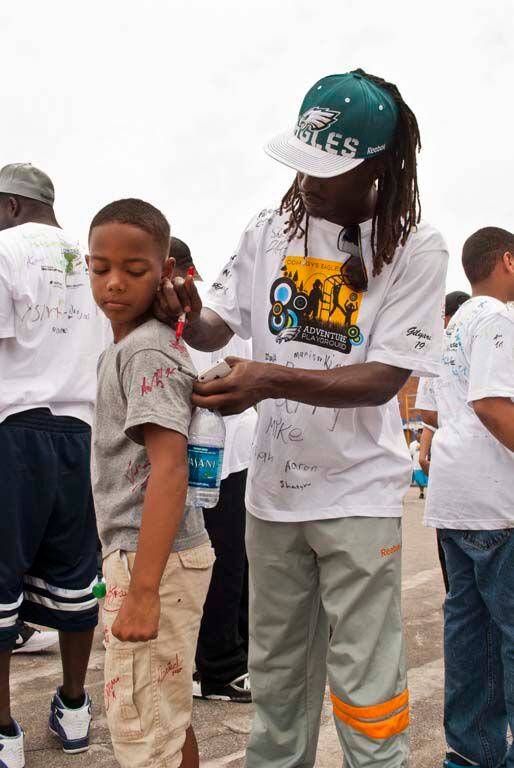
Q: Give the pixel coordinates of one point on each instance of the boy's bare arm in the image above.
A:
(430, 418)
(497, 416)
(165, 496)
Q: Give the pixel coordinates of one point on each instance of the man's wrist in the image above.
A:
(270, 381)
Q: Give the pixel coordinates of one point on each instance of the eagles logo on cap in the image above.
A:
(317, 119)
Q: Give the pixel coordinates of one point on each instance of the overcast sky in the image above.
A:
(172, 100)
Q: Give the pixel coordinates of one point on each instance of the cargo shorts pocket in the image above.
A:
(183, 591)
(198, 558)
(119, 689)
(195, 576)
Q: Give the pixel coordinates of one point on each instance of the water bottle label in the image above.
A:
(204, 466)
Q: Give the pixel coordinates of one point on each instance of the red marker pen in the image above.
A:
(181, 323)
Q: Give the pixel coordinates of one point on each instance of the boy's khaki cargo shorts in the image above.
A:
(148, 685)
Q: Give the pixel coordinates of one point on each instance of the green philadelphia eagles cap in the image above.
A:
(343, 120)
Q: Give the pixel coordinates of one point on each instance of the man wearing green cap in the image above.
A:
(341, 289)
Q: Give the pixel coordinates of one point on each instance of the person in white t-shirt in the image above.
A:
(470, 502)
(341, 290)
(426, 402)
(426, 397)
(418, 476)
(51, 334)
(222, 652)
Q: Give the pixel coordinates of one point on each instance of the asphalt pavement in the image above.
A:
(222, 729)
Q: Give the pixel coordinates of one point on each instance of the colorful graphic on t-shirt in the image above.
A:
(312, 303)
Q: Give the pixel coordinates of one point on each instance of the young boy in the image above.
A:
(470, 502)
(157, 557)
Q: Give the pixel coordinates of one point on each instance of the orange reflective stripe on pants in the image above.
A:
(384, 723)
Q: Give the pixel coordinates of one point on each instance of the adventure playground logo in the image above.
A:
(317, 119)
(312, 303)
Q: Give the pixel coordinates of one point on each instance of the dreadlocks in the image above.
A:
(398, 208)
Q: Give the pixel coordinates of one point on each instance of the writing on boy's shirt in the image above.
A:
(156, 380)
(134, 470)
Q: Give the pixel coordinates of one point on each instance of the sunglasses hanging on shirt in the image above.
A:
(354, 275)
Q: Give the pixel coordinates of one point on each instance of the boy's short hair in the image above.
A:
(454, 300)
(179, 250)
(483, 250)
(138, 213)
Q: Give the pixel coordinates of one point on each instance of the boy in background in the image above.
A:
(222, 652)
(426, 401)
(157, 555)
(471, 504)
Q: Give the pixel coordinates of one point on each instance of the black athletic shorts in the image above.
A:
(47, 524)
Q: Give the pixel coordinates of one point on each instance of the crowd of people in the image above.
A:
(328, 304)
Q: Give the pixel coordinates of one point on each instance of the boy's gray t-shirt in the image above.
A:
(147, 378)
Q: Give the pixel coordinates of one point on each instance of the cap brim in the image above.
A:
(290, 151)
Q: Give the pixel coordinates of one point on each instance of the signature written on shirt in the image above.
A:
(39, 313)
(156, 380)
(138, 475)
(420, 335)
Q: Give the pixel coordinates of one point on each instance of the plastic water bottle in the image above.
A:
(205, 456)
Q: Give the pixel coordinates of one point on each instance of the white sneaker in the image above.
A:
(71, 726)
(12, 754)
(237, 690)
(197, 688)
(30, 640)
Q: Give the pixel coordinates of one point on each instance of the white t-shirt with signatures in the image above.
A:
(51, 331)
(426, 396)
(314, 462)
(471, 472)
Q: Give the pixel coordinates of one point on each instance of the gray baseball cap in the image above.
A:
(27, 180)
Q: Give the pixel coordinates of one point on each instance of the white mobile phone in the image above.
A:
(219, 370)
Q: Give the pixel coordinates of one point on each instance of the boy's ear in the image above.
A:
(508, 260)
(169, 267)
(87, 260)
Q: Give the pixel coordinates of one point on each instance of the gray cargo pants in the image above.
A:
(305, 577)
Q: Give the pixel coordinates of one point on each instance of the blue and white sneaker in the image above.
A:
(12, 754)
(71, 726)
